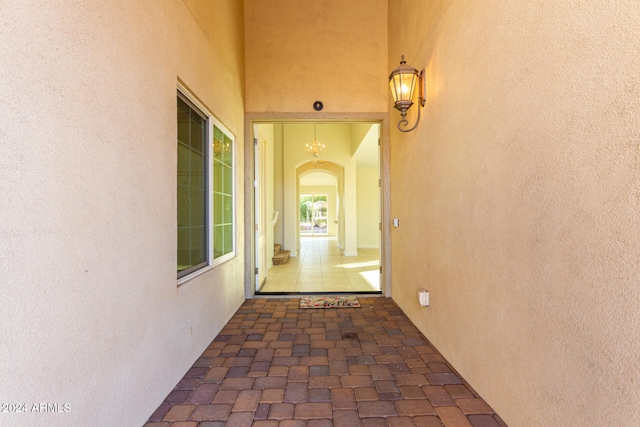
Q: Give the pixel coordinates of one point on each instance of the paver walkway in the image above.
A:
(275, 365)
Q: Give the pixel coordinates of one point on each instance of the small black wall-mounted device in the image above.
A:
(318, 106)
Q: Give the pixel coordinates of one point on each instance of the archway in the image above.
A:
(346, 243)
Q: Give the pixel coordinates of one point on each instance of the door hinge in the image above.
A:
(256, 270)
(379, 183)
(380, 269)
(380, 226)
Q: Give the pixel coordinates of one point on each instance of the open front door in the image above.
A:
(261, 208)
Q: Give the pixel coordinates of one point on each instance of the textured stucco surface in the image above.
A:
(91, 313)
(328, 50)
(523, 221)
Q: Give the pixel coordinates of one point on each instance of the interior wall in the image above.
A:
(278, 181)
(266, 133)
(359, 132)
(270, 198)
(518, 198)
(338, 48)
(368, 207)
(92, 315)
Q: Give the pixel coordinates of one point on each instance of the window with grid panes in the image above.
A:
(205, 191)
(223, 201)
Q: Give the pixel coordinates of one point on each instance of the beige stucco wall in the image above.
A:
(523, 221)
(91, 313)
(333, 51)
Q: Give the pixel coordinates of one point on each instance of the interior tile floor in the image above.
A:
(275, 365)
(319, 267)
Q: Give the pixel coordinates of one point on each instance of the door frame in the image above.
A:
(249, 182)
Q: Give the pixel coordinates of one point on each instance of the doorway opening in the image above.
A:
(325, 215)
(313, 215)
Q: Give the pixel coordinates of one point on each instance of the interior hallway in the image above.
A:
(319, 267)
(274, 365)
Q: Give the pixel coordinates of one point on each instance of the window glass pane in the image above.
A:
(218, 143)
(218, 208)
(228, 151)
(218, 177)
(197, 137)
(198, 209)
(184, 255)
(227, 179)
(191, 189)
(183, 164)
(228, 210)
(218, 241)
(197, 246)
(183, 206)
(183, 122)
(197, 170)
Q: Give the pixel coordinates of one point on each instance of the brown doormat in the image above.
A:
(329, 302)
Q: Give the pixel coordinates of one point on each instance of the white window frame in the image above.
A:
(211, 122)
(226, 257)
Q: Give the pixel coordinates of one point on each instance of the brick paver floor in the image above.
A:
(275, 365)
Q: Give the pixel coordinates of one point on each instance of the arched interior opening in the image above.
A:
(326, 179)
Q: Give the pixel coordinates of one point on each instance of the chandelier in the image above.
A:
(220, 147)
(315, 149)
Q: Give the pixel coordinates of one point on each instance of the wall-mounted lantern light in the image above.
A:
(403, 81)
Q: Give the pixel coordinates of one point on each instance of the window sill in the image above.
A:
(188, 277)
(218, 262)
